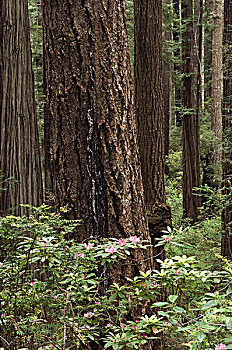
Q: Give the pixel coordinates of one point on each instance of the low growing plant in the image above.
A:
(56, 293)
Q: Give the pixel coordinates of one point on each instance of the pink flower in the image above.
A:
(168, 238)
(89, 314)
(3, 315)
(110, 250)
(85, 327)
(31, 283)
(55, 296)
(89, 246)
(121, 242)
(79, 255)
(176, 272)
(135, 327)
(109, 325)
(220, 347)
(134, 239)
(123, 326)
(167, 324)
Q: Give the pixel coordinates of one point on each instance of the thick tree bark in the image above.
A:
(150, 111)
(19, 155)
(216, 94)
(190, 131)
(90, 128)
(226, 246)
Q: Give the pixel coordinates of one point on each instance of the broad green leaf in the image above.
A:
(162, 313)
(208, 304)
(112, 297)
(179, 309)
(160, 304)
(200, 336)
(172, 298)
(226, 340)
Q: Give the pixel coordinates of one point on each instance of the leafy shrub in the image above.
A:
(57, 293)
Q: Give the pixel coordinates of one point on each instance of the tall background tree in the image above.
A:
(149, 106)
(90, 127)
(227, 131)
(20, 168)
(216, 89)
(190, 122)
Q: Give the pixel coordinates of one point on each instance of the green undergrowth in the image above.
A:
(57, 294)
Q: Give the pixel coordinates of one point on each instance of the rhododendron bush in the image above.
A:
(56, 293)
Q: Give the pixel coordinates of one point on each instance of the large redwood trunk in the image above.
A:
(19, 155)
(90, 130)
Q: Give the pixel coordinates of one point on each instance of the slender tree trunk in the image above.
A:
(150, 111)
(207, 58)
(191, 154)
(19, 155)
(199, 42)
(227, 133)
(216, 106)
(177, 56)
(90, 128)
(167, 80)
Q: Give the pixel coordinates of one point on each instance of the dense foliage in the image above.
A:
(57, 293)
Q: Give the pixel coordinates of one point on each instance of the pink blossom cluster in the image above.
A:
(167, 324)
(89, 246)
(220, 347)
(3, 315)
(134, 239)
(111, 249)
(79, 255)
(89, 314)
(121, 242)
(85, 327)
(55, 296)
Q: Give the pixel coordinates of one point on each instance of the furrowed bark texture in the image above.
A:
(90, 128)
(227, 131)
(19, 155)
(150, 111)
(216, 94)
(190, 125)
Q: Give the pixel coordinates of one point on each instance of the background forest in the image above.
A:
(115, 198)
